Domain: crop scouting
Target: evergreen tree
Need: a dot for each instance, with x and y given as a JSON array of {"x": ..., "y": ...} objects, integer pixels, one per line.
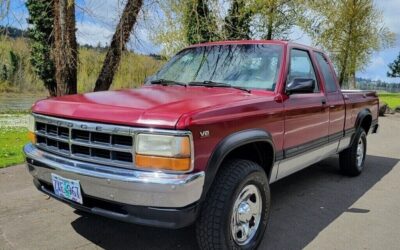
[
  {"x": 237, "y": 22},
  {"x": 199, "y": 22},
  {"x": 40, "y": 33},
  {"x": 394, "y": 68}
]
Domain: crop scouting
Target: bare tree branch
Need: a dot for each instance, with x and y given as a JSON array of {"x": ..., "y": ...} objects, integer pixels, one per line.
[{"x": 118, "y": 43}]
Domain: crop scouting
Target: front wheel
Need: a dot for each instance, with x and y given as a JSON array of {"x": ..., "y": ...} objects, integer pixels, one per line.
[
  {"x": 352, "y": 159},
  {"x": 236, "y": 210}
]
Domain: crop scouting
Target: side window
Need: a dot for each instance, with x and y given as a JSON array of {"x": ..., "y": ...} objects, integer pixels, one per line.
[
  {"x": 301, "y": 67},
  {"x": 329, "y": 79}
]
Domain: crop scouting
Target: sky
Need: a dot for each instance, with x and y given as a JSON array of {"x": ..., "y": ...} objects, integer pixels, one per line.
[{"x": 96, "y": 20}]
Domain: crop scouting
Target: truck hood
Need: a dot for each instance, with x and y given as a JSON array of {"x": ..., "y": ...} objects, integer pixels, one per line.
[{"x": 148, "y": 106}]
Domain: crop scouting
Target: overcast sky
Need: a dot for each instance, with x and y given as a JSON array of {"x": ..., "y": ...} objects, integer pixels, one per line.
[{"x": 96, "y": 20}]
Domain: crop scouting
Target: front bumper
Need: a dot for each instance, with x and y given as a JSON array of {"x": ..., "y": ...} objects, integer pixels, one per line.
[{"x": 131, "y": 190}]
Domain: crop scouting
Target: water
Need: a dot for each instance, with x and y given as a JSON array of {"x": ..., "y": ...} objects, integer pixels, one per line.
[{"x": 10, "y": 103}]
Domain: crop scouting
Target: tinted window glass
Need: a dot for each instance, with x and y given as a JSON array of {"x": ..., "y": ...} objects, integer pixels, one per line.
[
  {"x": 254, "y": 66},
  {"x": 301, "y": 67},
  {"x": 330, "y": 83}
]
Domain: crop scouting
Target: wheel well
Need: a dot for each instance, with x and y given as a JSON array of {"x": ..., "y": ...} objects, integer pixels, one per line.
[
  {"x": 261, "y": 153},
  {"x": 366, "y": 123}
]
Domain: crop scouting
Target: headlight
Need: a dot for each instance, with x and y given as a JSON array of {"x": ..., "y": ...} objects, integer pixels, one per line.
[
  {"x": 163, "y": 145},
  {"x": 31, "y": 129},
  {"x": 164, "y": 152}
]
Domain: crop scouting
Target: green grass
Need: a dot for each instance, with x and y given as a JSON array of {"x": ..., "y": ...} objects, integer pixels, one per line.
[
  {"x": 392, "y": 99},
  {"x": 11, "y": 143}
]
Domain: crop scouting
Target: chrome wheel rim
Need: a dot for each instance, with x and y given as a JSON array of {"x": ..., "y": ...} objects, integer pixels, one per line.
[
  {"x": 246, "y": 215},
  {"x": 360, "y": 152}
]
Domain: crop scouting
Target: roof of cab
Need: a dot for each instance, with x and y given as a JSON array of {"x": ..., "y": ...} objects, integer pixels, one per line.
[
  {"x": 282, "y": 42},
  {"x": 279, "y": 42}
]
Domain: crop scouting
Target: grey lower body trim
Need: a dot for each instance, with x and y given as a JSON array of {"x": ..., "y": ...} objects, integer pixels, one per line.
[
  {"x": 344, "y": 143},
  {"x": 296, "y": 163},
  {"x": 302, "y": 156},
  {"x": 131, "y": 187}
]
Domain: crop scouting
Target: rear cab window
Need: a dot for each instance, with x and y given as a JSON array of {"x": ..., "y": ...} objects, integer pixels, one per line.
[{"x": 327, "y": 72}]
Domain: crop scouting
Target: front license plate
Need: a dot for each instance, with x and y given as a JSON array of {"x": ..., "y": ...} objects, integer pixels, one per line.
[{"x": 66, "y": 188}]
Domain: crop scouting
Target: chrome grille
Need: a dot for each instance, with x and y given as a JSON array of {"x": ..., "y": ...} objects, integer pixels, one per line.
[{"x": 99, "y": 143}]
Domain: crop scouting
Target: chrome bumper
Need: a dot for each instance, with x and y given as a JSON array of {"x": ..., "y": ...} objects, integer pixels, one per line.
[{"x": 132, "y": 187}]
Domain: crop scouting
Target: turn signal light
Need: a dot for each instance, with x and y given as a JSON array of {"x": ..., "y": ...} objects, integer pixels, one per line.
[{"x": 162, "y": 163}]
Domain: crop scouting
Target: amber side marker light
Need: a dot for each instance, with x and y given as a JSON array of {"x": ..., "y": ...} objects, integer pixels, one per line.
[
  {"x": 32, "y": 137},
  {"x": 31, "y": 129}
]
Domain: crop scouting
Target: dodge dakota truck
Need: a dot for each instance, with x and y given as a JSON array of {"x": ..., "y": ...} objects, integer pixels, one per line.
[{"x": 201, "y": 141}]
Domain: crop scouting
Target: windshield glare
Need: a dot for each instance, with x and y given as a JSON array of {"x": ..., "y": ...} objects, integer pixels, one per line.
[{"x": 252, "y": 66}]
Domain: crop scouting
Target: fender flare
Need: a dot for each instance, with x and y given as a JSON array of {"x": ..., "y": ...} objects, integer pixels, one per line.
[
  {"x": 362, "y": 115},
  {"x": 227, "y": 145}
]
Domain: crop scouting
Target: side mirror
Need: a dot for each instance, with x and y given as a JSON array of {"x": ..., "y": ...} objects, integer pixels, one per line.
[{"x": 300, "y": 86}]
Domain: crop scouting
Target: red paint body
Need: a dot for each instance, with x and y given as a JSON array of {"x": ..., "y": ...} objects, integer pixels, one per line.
[{"x": 291, "y": 120}]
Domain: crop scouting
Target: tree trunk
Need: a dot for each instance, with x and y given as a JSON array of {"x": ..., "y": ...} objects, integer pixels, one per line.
[
  {"x": 352, "y": 80},
  {"x": 270, "y": 23},
  {"x": 118, "y": 42},
  {"x": 342, "y": 74},
  {"x": 344, "y": 68},
  {"x": 65, "y": 51}
]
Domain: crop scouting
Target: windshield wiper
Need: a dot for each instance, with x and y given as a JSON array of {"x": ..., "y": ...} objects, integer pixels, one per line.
[
  {"x": 167, "y": 82},
  {"x": 217, "y": 84}
]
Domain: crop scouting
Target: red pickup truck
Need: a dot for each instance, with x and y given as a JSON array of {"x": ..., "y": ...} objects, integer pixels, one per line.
[{"x": 202, "y": 140}]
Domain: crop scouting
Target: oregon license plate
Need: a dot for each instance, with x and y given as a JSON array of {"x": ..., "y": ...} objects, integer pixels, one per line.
[{"x": 66, "y": 188}]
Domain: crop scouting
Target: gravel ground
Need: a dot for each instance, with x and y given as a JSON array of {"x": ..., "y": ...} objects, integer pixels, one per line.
[
  {"x": 13, "y": 120},
  {"x": 316, "y": 208}
]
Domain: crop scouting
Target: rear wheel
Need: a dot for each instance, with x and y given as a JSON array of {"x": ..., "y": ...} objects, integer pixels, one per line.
[
  {"x": 236, "y": 210},
  {"x": 352, "y": 159}
]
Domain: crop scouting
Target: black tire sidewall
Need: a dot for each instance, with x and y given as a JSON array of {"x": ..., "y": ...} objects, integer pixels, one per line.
[{"x": 258, "y": 179}]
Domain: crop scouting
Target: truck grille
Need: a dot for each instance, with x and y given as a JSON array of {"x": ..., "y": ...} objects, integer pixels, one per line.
[{"x": 99, "y": 143}]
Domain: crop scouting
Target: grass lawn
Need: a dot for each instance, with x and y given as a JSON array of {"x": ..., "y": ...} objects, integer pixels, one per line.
[
  {"x": 392, "y": 99},
  {"x": 11, "y": 143}
]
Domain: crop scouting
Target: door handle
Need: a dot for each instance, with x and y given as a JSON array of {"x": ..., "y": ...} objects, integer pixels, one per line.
[{"x": 323, "y": 101}]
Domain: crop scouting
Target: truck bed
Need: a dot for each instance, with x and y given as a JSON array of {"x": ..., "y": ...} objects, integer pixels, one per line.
[{"x": 357, "y": 100}]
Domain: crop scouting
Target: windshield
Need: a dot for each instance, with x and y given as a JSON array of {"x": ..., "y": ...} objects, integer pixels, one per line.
[{"x": 251, "y": 66}]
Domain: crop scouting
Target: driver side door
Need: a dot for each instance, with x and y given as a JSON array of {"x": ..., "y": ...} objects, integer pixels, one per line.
[{"x": 306, "y": 117}]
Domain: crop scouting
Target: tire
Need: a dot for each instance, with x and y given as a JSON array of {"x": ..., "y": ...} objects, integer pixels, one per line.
[
  {"x": 214, "y": 227},
  {"x": 351, "y": 160}
]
